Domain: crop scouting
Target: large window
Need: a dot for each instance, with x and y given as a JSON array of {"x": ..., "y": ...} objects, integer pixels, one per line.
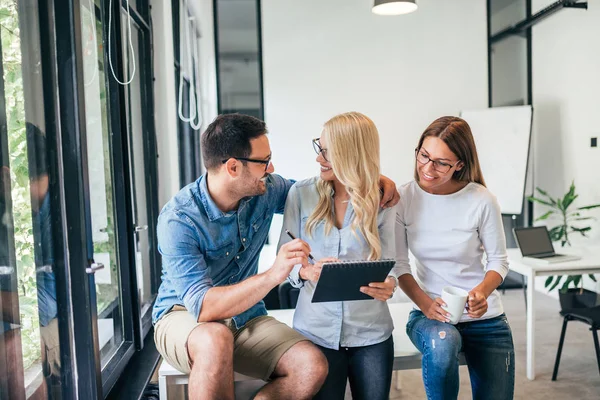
[
  {"x": 29, "y": 347},
  {"x": 78, "y": 201}
]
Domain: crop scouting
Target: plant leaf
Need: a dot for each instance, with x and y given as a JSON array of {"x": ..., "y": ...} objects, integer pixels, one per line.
[
  {"x": 589, "y": 207},
  {"x": 557, "y": 233},
  {"x": 565, "y": 285},
  {"x": 592, "y": 277},
  {"x": 576, "y": 280},
  {"x": 531, "y": 198},
  {"x": 581, "y": 230},
  {"x": 584, "y": 218},
  {"x": 548, "y": 281},
  {"x": 568, "y": 200},
  {"x": 542, "y": 192},
  {"x": 558, "y": 279},
  {"x": 545, "y": 216}
]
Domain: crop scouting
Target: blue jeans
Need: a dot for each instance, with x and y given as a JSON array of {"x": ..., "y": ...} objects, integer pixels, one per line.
[
  {"x": 488, "y": 348},
  {"x": 369, "y": 369}
]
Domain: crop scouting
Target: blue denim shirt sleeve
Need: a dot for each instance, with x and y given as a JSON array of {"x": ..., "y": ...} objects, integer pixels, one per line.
[
  {"x": 293, "y": 223},
  {"x": 183, "y": 262},
  {"x": 283, "y": 187}
]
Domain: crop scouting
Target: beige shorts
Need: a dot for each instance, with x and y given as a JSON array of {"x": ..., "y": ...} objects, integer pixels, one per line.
[{"x": 258, "y": 345}]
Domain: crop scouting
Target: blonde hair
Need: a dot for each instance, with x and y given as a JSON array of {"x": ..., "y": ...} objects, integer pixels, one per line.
[{"x": 353, "y": 151}]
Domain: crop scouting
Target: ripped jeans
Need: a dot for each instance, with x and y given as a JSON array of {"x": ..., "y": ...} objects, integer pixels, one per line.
[{"x": 488, "y": 348}]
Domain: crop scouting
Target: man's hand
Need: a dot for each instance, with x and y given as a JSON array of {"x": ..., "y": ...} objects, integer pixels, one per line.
[
  {"x": 381, "y": 291},
  {"x": 390, "y": 196},
  {"x": 476, "y": 304},
  {"x": 312, "y": 272},
  {"x": 290, "y": 254}
]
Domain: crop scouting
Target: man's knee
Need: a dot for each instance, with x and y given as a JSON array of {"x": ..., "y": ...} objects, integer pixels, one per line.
[
  {"x": 211, "y": 338},
  {"x": 308, "y": 365}
]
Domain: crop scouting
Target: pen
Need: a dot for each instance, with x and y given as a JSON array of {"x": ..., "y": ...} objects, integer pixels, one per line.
[{"x": 293, "y": 237}]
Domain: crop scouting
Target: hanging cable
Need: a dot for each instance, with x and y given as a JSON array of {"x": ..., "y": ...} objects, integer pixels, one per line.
[
  {"x": 195, "y": 86},
  {"x": 94, "y": 44},
  {"x": 110, "y": 12},
  {"x": 186, "y": 35}
]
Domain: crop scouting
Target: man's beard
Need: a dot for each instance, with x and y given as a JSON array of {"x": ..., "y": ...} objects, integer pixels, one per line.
[{"x": 252, "y": 186}]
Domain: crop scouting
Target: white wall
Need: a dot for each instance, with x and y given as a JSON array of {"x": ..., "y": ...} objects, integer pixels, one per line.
[
  {"x": 326, "y": 57},
  {"x": 566, "y": 101},
  {"x": 165, "y": 111}
]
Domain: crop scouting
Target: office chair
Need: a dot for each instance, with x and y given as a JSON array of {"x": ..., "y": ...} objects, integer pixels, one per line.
[
  {"x": 288, "y": 295},
  {"x": 590, "y": 316}
]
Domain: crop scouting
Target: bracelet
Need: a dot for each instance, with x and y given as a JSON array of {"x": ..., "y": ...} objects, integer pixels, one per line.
[{"x": 396, "y": 285}]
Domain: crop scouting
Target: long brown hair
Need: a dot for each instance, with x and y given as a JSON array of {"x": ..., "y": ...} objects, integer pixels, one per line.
[{"x": 456, "y": 133}]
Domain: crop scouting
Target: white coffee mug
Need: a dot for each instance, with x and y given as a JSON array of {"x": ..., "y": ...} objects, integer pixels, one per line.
[{"x": 455, "y": 299}]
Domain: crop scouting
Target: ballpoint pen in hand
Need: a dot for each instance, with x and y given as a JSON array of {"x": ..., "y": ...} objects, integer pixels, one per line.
[{"x": 293, "y": 237}]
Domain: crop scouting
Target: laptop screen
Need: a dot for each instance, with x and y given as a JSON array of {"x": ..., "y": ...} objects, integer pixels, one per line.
[{"x": 534, "y": 241}]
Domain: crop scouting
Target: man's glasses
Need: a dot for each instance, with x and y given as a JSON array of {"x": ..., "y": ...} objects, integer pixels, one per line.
[
  {"x": 439, "y": 166},
  {"x": 319, "y": 149},
  {"x": 266, "y": 162}
]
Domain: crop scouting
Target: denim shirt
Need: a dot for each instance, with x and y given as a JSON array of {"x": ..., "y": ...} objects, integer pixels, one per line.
[
  {"x": 203, "y": 247},
  {"x": 343, "y": 323}
]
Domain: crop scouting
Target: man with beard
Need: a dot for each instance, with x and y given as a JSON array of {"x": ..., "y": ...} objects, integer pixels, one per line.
[{"x": 209, "y": 315}]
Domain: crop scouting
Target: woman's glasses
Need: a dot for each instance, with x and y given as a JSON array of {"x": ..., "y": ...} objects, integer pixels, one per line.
[
  {"x": 439, "y": 166},
  {"x": 318, "y": 149}
]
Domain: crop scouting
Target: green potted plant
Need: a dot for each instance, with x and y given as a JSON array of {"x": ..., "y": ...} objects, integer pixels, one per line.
[{"x": 562, "y": 208}]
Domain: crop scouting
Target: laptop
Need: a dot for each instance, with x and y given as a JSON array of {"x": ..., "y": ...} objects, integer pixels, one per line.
[{"x": 535, "y": 244}]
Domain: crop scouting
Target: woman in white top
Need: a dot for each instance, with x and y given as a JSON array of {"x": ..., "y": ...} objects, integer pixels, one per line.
[
  {"x": 339, "y": 216},
  {"x": 448, "y": 219}
]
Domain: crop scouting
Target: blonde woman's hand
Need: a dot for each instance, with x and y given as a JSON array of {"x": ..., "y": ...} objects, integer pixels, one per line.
[
  {"x": 312, "y": 272},
  {"x": 381, "y": 291}
]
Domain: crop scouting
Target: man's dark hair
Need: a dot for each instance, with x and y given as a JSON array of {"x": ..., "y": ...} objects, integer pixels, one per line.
[{"x": 229, "y": 136}]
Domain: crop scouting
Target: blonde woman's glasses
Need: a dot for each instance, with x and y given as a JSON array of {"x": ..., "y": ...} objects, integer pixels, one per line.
[{"x": 318, "y": 149}]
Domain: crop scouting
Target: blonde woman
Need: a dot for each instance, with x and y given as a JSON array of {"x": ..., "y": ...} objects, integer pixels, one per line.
[{"x": 338, "y": 214}]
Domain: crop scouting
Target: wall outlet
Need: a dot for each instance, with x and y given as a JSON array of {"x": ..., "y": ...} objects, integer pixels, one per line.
[{"x": 594, "y": 142}]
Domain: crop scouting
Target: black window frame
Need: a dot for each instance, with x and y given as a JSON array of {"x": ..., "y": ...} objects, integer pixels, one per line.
[{"x": 188, "y": 139}]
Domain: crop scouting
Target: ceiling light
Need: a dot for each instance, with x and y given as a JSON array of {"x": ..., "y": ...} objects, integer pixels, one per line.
[{"x": 394, "y": 7}]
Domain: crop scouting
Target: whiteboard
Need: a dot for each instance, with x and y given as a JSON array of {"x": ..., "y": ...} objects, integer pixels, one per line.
[{"x": 502, "y": 136}]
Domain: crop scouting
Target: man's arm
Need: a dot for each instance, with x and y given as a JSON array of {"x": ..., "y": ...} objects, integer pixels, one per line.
[
  {"x": 281, "y": 187},
  {"x": 226, "y": 301},
  {"x": 389, "y": 195}
]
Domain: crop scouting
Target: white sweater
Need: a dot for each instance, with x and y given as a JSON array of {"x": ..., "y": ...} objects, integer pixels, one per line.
[{"x": 448, "y": 236}]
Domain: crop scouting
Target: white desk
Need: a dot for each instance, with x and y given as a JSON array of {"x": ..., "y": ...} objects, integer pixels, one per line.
[{"x": 589, "y": 264}]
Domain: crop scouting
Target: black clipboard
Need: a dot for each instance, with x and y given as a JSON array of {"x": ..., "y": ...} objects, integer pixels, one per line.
[{"x": 342, "y": 281}]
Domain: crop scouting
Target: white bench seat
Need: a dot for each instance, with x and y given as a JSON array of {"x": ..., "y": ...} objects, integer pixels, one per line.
[{"x": 406, "y": 355}]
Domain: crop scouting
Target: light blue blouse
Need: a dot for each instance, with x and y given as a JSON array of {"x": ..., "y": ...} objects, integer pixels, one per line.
[{"x": 345, "y": 323}]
